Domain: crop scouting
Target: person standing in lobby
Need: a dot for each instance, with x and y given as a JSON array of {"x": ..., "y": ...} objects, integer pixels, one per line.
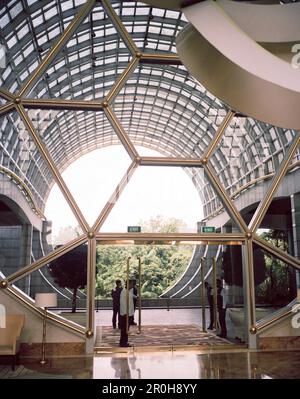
[
  {"x": 126, "y": 293},
  {"x": 221, "y": 304},
  {"x": 115, "y": 293}
]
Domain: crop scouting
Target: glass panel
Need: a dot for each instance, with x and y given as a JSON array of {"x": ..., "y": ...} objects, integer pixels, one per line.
[
  {"x": 70, "y": 135},
  {"x": 231, "y": 274},
  {"x": 65, "y": 276},
  {"x": 152, "y": 29},
  {"x": 93, "y": 179},
  {"x": 159, "y": 199},
  {"x": 215, "y": 213},
  {"x": 164, "y": 109},
  {"x": 162, "y": 266},
  {"x": 279, "y": 226},
  {"x": 275, "y": 280},
  {"x": 70, "y": 273},
  {"x": 89, "y": 64},
  {"x": 249, "y": 153},
  {"x": 25, "y": 181}
]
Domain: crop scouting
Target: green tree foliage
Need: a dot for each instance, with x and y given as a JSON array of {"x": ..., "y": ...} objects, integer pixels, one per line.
[
  {"x": 276, "y": 287},
  {"x": 161, "y": 265}
]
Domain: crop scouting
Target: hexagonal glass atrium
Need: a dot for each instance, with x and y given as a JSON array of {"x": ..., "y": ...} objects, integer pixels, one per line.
[{"x": 82, "y": 75}]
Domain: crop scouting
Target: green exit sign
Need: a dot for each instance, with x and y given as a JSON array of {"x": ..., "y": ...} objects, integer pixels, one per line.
[
  {"x": 134, "y": 229},
  {"x": 207, "y": 229}
]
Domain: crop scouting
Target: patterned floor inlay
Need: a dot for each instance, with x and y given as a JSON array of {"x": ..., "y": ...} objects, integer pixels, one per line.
[{"x": 159, "y": 335}]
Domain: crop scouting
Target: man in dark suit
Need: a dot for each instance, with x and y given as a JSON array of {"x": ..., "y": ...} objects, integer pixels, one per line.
[
  {"x": 211, "y": 304},
  {"x": 115, "y": 293}
]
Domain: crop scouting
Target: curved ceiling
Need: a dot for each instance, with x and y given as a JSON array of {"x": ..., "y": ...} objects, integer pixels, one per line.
[{"x": 160, "y": 106}]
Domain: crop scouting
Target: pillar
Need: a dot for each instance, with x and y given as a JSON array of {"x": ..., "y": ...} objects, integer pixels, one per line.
[
  {"x": 295, "y": 210},
  {"x": 25, "y": 255}
]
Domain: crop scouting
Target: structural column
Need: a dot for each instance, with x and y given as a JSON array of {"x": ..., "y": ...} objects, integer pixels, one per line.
[
  {"x": 25, "y": 254},
  {"x": 295, "y": 208},
  {"x": 235, "y": 294},
  {"x": 249, "y": 295}
]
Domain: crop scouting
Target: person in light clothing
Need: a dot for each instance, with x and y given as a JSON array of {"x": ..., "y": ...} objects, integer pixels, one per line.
[
  {"x": 221, "y": 304},
  {"x": 123, "y": 313},
  {"x": 115, "y": 293}
]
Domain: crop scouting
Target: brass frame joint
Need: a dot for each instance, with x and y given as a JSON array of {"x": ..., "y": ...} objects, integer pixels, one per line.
[
  {"x": 204, "y": 161},
  {"x": 248, "y": 235},
  {"x": 90, "y": 235},
  {"x": 138, "y": 55},
  {"x": 17, "y": 100},
  {"x": 3, "y": 284},
  {"x": 104, "y": 104},
  {"x": 89, "y": 333},
  {"x": 253, "y": 330}
]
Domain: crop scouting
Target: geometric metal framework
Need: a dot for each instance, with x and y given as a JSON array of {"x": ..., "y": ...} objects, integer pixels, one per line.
[{"x": 112, "y": 68}]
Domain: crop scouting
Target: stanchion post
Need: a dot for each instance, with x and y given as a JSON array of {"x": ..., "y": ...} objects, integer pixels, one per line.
[
  {"x": 127, "y": 295},
  {"x": 203, "y": 304},
  {"x": 140, "y": 296},
  {"x": 214, "y": 266}
]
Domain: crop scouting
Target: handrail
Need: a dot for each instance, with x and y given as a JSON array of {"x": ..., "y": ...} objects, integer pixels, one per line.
[
  {"x": 247, "y": 185},
  {"x": 28, "y": 194},
  {"x": 271, "y": 319},
  {"x": 20, "y": 297}
]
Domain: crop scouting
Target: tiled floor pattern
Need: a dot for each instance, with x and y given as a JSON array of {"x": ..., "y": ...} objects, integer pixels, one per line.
[{"x": 160, "y": 335}]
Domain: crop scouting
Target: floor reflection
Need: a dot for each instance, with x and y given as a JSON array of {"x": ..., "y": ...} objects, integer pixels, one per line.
[
  {"x": 214, "y": 364},
  {"x": 183, "y": 365}
]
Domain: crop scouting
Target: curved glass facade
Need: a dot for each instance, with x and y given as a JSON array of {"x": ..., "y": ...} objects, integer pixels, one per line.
[{"x": 81, "y": 75}]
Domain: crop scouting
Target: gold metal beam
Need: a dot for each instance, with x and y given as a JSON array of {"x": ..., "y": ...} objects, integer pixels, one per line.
[
  {"x": 122, "y": 135},
  {"x": 225, "y": 199},
  {"x": 6, "y": 109},
  {"x": 217, "y": 137},
  {"x": 24, "y": 187},
  {"x": 278, "y": 253},
  {"x": 62, "y": 104},
  {"x": 46, "y": 259},
  {"x": 114, "y": 197},
  {"x": 58, "y": 46},
  {"x": 155, "y": 58},
  {"x": 164, "y": 161},
  {"x": 120, "y": 27},
  {"x": 6, "y": 95},
  {"x": 91, "y": 277},
  {"x": 279, "y": 175},
  {"x": 122, "y": 79},
  {"x": 202, "y": 292},
  {"x": 56, "y": 175},
  {"x": 140, "y": 295}
]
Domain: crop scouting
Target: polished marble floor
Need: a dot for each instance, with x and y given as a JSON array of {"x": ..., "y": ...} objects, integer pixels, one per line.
[
  {"x": 197, "y": 365},
  {"x": 213, "y": 364},
  {"x": 158, "y": 316}
]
